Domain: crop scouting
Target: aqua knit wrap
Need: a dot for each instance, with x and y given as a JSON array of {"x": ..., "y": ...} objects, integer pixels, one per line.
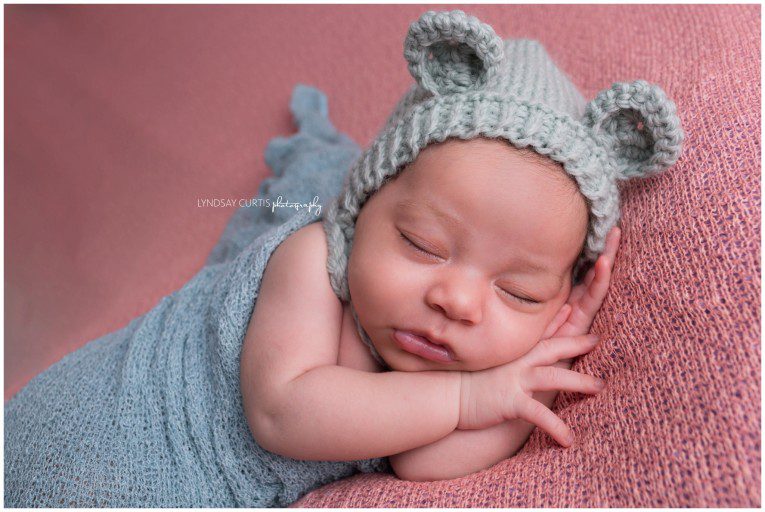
[{"x": 470, "y": 83}]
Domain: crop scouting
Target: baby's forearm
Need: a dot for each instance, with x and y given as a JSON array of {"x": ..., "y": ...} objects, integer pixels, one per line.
[
  {"x": 463, "y": 452},
  {"x": 338, "y": 413}
]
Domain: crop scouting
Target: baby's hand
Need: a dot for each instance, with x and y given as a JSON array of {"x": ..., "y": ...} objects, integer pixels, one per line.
[
  {"x": 489, "y": 397},
  {"x": 585, "y": 299}
]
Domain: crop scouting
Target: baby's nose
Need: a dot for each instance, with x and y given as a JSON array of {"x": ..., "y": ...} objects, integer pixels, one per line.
[{"x": 460, "y": 301}]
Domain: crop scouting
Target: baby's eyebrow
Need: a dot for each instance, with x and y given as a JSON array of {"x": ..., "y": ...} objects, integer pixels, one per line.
[
  {"x": 446, "y": 217},
  {"x": 534, "y": 267},
  {"x": 530, "y": 267}
]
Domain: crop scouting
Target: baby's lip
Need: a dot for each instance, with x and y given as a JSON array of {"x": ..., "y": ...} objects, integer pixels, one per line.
[{"x": 432, "y": 339}]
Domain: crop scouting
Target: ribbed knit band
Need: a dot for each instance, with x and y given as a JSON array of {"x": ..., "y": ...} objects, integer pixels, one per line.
[{"x": 472, "y": 84}]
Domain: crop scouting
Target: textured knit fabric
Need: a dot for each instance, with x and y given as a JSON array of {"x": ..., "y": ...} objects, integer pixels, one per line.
[
  {"x": 679, "y": 422},
  {"x": 470, "y": 83},
  {"x": 151, "y": 415}
]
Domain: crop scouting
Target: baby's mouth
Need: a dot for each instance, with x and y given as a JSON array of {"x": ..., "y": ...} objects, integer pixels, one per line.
[{"x": 422, "y": 346}]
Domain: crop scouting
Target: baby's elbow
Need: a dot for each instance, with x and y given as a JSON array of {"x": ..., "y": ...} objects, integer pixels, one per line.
[
  {"x": 403, "y": 469},
  {"x": 408, "y": 467},
  {"x": 264, "y": 425},
  {"x": 260, "y": 414},
  {"x": 264, "y": 430}
]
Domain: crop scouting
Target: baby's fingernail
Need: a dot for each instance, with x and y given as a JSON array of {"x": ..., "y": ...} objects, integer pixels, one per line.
[
  {"x": 600, "y": 383},
  {"x": 569, "y": 439}
]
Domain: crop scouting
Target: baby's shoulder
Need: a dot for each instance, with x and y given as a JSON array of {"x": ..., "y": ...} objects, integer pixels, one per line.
[
  {"x": 310, "y": 237},
  {"x": 300, "y": 262},
  {"x": 306, "y": 246},
  {"x": 305, "y": 250}
]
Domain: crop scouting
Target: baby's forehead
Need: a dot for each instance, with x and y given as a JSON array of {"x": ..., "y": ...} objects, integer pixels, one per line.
[
  {"x": 486, "y": 182},
  {"x": 477, "y": 155},
  {"x": 481, "y": 181}
]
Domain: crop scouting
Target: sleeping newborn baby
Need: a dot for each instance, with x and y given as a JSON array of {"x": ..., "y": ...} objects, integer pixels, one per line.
[
  {"x": 434, "y": 313},
  {"x": 458, "y": 266},
  {"x": 425, "y": 324}
]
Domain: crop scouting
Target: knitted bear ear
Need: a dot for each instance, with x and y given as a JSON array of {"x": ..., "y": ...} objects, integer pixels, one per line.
[
  {"x": 451, "y": 52},
  {"x": 639, "y": 125}
]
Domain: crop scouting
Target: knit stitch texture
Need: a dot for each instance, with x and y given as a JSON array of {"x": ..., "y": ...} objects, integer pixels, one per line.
[{"x": 151, "y": 415}]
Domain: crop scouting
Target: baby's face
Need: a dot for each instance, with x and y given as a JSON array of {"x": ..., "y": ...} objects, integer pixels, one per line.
[{"x": 473, "y": 246}]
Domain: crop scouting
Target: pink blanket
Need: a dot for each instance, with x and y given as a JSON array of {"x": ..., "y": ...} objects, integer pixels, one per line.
[{"x": 118, "y": 119}]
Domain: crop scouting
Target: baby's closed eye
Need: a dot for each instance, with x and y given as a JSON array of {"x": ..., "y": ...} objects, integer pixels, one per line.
[
  {"x": 520, "y": 298},
  {"x": 418, "y": 247},
  {"x": 428, "y": 251}
]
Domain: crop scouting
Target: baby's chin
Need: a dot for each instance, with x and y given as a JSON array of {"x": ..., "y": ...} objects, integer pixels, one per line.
[
  {"x": 402, "y": 365},
  {"x": 402, "y": 361}
]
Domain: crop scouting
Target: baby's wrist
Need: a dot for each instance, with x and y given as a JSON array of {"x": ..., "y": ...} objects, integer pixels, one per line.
[
  {"x": 463, "y": 385},
  {"x": 465, "y": 389}
]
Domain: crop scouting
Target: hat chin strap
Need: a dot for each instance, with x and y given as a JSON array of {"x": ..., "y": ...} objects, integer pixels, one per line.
[{"x": 366, "y": 340}]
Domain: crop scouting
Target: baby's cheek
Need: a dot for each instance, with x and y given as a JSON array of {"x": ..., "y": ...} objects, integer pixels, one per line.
[
  {"x": 378, "y": 281},
  {"x": 514, "y": 335},
  {"x": 392, "y": 282}
]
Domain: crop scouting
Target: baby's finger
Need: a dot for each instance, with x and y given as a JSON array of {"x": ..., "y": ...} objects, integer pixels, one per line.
[
  {"x": 558, "y": 321},
  {"x": 589, "y": 277},
  {"x": 612, "y": 242},
  {"x": 534, "y": 412},
  {"x": 593, "y": 298},
  {"x": 587, "y": 297},
  {"x": 551, "y": 350},
  {"x": 611, "y": 247},
  {"x": 609, "y": 254},
  {"x": 551, "y": 378},
  {"x": 578, "y": 290}
]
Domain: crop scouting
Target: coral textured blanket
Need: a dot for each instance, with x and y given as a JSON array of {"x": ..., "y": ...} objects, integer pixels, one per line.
[{"x": 140, "y": 110}]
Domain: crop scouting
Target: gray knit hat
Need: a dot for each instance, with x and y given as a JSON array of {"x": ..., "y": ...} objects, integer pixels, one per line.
[{"x": 469, "y": 84}]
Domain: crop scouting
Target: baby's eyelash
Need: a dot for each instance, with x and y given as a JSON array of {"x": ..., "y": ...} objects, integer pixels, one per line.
[
  {"x": 415, "y": 246},
  {"x": 521, "y": 299}
]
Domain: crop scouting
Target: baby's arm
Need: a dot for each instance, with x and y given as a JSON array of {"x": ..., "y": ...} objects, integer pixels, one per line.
[
  {"x": 297, "y": 400},
  {"x": 466, "y": 451}
]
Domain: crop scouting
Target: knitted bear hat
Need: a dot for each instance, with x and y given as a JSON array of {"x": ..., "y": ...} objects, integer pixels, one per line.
[{"x": 471, "y": 84}]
